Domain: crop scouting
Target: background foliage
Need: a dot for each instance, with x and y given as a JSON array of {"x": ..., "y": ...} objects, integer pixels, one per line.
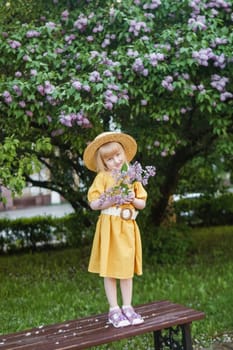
[{"x": 159, "y": 70}]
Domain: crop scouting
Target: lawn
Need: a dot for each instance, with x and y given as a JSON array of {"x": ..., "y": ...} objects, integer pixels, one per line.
[{"x": 54, "y": 285}]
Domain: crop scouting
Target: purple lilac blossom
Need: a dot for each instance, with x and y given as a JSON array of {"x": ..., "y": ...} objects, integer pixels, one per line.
[
  {"x": 225, "y": 95},
  {"x": 154, "y": 58},
  {"x": 14, "y": 44},
  {"x": 198, "y": 22},
  {"x": 144, "y": 102},
  {"x": 138, "y": 67},
  {"x": 7, "y": 97},
  {"x": 74, "y": 118},
  {"x": 33, "y": 34},
  {"x": 153, "y": 5},
  {"x": 29, "y": 113},
  {"x": 18, "y": 74},
  {"x": 219, "y": 82},
  {"x": 120, "y": 192},
  {"x": 22, "y": 104},
  {"x": 167, "y": 83},
  {"x": 81, "y": 23},
  {"x": 65, "y": 15},
  {"x": 95, "y": 77},
  {"x": 50, "y": 25},
  {"x": 77, "y": 85},
  {"x": 98, "y": 28},
  {"x": 135, "y": 27},
  {"x": 17, "y": 90}
]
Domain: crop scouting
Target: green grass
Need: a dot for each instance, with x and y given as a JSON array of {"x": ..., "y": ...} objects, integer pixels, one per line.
[{"x": 54, "y": 286}]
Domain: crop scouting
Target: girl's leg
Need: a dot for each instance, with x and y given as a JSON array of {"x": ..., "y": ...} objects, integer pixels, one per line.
[
  {"x": 128, "y": 310},
  {"x": 115, "y": 315},
  {"x": 111, "y": 291},
  {"x": 126, "y": 290}
]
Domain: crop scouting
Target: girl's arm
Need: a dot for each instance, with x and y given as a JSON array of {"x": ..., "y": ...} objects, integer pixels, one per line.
[
  {"x": 99, "y": 205},
  {"x": 139, "y": 203}
]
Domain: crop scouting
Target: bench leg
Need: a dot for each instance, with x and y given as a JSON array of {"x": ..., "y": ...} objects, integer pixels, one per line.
[{"x": 178, "y": 338}]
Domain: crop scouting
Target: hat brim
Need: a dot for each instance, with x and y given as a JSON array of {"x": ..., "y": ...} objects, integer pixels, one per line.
[{"x": 127, "y": 142}]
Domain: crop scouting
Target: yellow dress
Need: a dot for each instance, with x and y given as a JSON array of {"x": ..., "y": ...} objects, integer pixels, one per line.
[{"x": 116, "y": 250}]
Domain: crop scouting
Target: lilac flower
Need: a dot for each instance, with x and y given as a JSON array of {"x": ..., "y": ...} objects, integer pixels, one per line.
[
  {"x": 57, "y": 132},
  {"x": 110, "y": 97},
  {"x": 70, "y": 38},
  {"x": 218, "y": 82},
  {"x": 22, "y": 104},
  {"x": 220, "y": 61},
  {"x": 135, "y": 27},
  {"x": 156, "y": 143},
  {"x": 81, "y": 23},
  {"x": 86, "y": 88},
  {"x": 165, "y": 117},
  {"x": 77, "y": 85},
  {"x": 183, "y": 110},
  {"x": 50, "y": 25},
  {"x": 144, "y": 102},
  {"x": 167, "y": 83},
  {"x": 95, "y": 77},
  {"x": 198, "y": 23},
  {"x": 107, "y": 73},
  {"x": 4, "y": 34},
  {"x": 71, "y": 119},
  {"x": 26, "y": 58},
  {"x": 219, "y": 41},
  {"x": 65, "y": 15},
  {"x": 18, "y": 74},
  {"x": 113, "y": 87},
  {"x": 90, "y": 38},
  {"x": 29, "y": 113},
  {"x": 14, "y": 44},
  {"x": 225, "y": 95},
  {"x": 164, "y": 153},
  {"x": 105, "y": 43},
  {"x": 154, "y": 58},
  {"x": 48, "y": 87},
  {"x": 33, "y": 72},
  {"x": 98, "y": 28},
  {"x": 17, "y": 89},
  {"x": 132, "y": 53},
  {"x": 108, "y": 105},
  {"x": 40, "y": 89},
  {"x": 123, "y": 95},
  {"x": 138, "y": 65},
  {"x": 94, "y": 54},
  {"x": 33, "y": 34},
  {"x": 7, "y": 97},
  {"x": 153, "y": 5},
  {"x": 59, "y": 50},
  {"x": 124, "y": 179}
]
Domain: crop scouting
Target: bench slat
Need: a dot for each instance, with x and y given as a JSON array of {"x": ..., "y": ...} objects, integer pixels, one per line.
[{"x": 92, "y": 331}]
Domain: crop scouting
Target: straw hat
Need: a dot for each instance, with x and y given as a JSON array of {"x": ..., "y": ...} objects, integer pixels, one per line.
[{"x": 128, "y": 143}]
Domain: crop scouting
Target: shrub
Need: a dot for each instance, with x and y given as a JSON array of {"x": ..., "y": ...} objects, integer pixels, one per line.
[
  {"x": 206, "y": 211},
  {"x": 72, "y": 230},
  {"x": 167, "y": 245},
  {"x": 26, "y": 232}
]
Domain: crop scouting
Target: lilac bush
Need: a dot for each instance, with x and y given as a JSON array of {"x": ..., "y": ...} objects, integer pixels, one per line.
[{"x": 161, "y": 70}]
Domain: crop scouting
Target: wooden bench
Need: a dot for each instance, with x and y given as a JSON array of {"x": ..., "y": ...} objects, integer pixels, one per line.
[{"x": 169, "y": 322}]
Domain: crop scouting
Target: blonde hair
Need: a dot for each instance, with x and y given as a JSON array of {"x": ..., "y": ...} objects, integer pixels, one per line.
[{"x": 105, "y": 151}]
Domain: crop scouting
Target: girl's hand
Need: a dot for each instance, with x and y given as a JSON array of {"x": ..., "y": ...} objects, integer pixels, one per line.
[{"x": 130, "y": 197}]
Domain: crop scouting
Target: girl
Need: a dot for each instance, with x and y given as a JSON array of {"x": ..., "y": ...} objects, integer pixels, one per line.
[{"x": 116, "y": 252}]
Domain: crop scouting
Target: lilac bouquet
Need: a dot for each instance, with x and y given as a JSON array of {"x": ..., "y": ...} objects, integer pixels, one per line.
[{"x": 124, "y": 179}]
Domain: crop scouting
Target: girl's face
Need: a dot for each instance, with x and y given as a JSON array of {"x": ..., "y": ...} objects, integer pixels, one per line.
[{"x": 115, "y": 159}]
